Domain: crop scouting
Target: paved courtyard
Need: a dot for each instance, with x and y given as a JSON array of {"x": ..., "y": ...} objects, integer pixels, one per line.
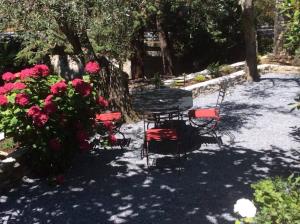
[{"x": 114, "y": 186}]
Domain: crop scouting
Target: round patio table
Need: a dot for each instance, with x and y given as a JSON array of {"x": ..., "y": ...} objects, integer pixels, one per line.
[{"x": 162, "y": 100}]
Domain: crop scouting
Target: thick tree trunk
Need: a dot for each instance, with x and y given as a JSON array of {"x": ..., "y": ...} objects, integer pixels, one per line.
[
  {"x": 114, "y": 83},
  {"x": 137, "y": 57},
  {"x": 119, "y": 94},
  {"x": 71, "y": 36},
  {"x": 165, "y": 47},
  {"x": 278, "y": 30},
  {"x": 250, "y": 40}
]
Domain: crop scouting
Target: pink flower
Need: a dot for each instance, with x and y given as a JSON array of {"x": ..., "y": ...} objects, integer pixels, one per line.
[
  {"x": 22, "y": 99},
  {"x": 92, "y": 67},
  {"x": 3, "y": 100},
  {"x": 19, "y": 85},
  {"x": 42, "y": 70},
  {"x": 108, "y": 125},
  {"x": 40, "y": 119},
  {"x": 85, "y": 146},
  {"x": 49, "y": 98},
  {"x": 81, "y": 136},
  {"x": 55, "y": 144},
  {"x": 102, "y": 101},
  {"x": 8, "y": 76},
  {"x": 33, "y": 111},
  {"x": 82, "y": 87},
  {"x": 17, "y": 75},
  {"x": 50, "y": 108},
  {"x": 28, "y": 73},
  {"x": 59, "y": 87},
  {"x": 9, "y": 86},
  {"x": 2, "y": 90},
  {"x": 60, "y": 179},
  {"x": 112, "y": 139}
]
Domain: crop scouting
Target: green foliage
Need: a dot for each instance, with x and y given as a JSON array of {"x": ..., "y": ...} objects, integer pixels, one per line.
[
  {"x": 291, "y": 11},
  {"x": 78, "y": 27},
  {"x": 7, "y": 144},
  {"x": 226, "y": 69},
  {"x": 157, "y": 82},
  {"x": 50, "y": 117},
  {"x": 214, "y": 69},
  {"x": 244, "y": 221},
  {"x": 8, "y": 50},
  {"x": 278, "y": 201},
  {"x": 265, "y": 11},
  {"x": 296, "y": 105},
  {"x": 200, "y": 78}
]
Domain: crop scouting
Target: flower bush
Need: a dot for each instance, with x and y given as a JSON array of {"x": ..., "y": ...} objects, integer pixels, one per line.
[
  {"x": 50, "y": 116},
  {"x": 246, "y": 209},
  {"x": 278, "y": 200}
]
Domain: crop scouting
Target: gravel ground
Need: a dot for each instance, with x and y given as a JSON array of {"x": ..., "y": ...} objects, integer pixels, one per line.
[{"x": 113, "y": 186}]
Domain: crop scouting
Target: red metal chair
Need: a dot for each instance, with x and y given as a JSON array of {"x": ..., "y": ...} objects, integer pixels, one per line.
[
  {"x": 207, "y": 120},
  {"x": 163, "y": 130}
]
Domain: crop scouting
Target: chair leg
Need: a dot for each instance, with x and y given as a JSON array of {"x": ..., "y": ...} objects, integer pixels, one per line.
[
  {"x": 219, "y": 142},
  {"x": 178, "y": 151},
  {"x": 143, "y": 150},
  {"x": 147, "y": 153}
]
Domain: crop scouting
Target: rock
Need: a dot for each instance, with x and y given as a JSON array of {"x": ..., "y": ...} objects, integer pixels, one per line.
[
  {"x": 9, "y": 160},
  {"x": 2, "y": 136}
]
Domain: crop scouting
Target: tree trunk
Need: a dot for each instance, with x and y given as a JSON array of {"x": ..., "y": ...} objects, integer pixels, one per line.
[
  {"x": 250, "y": 40},
  {"x": 278, "y": 30},
  {"x": 114, "y": 84},
  {"x": 165, "y": 47},
  {"x": 71, "y": 36},
  {"x": 137, "y": 57},
  {"x": 119, "y": 94}
]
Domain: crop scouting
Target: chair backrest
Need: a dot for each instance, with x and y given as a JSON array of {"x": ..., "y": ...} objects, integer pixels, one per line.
[
  {"x": 158, "y": 118},
  {"x": 221, "y": 95}
]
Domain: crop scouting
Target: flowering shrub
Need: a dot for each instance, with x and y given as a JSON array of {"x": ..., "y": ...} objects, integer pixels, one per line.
[
  {"x": 278, "y": 200},
  {"x": 50, "y": 116},
  {"x": 246, "y": 209}
]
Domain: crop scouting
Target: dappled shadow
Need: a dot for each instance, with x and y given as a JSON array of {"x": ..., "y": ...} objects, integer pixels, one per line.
[
  {"x": 237, "y": 115},
  {"x": 265, "y": 89},
  {"x": 114, "y": 186},
  {"x": 282, "y": 81},
  {"x": 295, "y": 133},
  {"x": 103, "y": 189}
]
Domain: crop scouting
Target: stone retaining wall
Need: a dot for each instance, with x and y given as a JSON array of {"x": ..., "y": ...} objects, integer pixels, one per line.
[{"x": 236, "y": 77}]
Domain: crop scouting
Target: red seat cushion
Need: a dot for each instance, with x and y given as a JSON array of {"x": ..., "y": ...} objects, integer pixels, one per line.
[
  {"x": 157, "y": 134},
  {"x": 210, "y": 113},
  {"x": 110, "y": 116}
]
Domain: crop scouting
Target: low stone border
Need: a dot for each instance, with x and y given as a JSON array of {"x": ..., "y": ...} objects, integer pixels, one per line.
[
  {"x": 235, "y": 78},
  {"x": 168, "y": 82}
]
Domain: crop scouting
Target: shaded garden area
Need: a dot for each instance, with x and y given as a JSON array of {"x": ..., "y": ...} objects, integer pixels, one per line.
[
  {"x": 88, "y": 89},
  {"x": 113, "y": 186}
]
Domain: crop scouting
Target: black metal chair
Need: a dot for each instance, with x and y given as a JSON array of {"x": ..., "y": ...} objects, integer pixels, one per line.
[
  {"x": 164, "y": 129},
  {"x": 207, "y": 120}
]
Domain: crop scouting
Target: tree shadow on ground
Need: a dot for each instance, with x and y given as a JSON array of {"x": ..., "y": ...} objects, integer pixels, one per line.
[
  {"x": 114, "y": 186},
  {"x": 237, "y": 115},
  {"x": 295, "y": 133},
  {"x": 103, "y": 188}
]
